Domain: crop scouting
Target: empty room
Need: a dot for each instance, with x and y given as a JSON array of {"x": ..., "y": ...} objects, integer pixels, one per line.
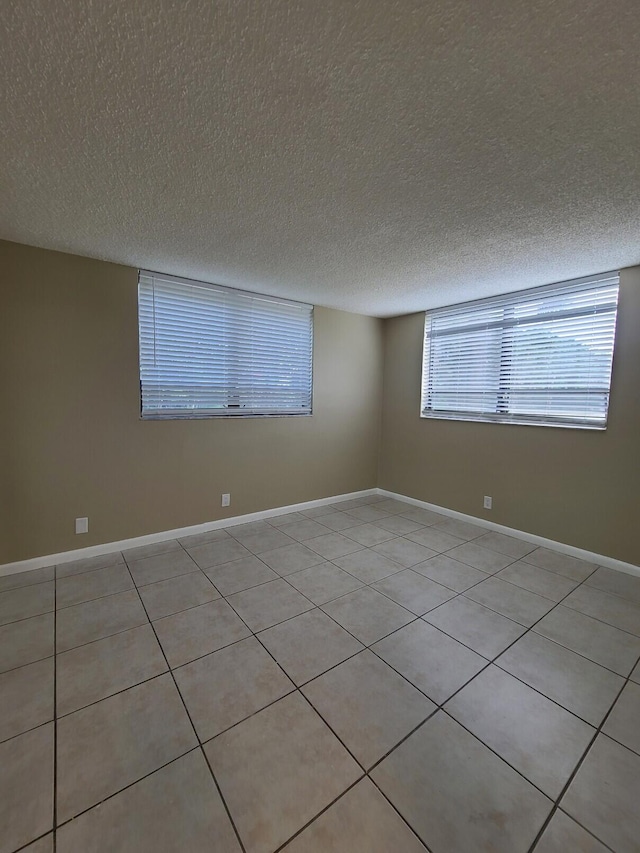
[{"x": 320, "y": 431}]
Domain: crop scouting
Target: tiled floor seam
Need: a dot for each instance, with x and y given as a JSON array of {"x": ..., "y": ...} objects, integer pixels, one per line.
[
  {"x": 365, "y": 772},
  {"x": 598, "y": 731},
  {"x": 126, "y": 787},
  {"x": 186, "y": 709}
]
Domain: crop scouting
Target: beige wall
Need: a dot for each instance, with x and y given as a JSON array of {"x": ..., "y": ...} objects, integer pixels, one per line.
[
  {"x": 72, "y": 442},
  {"x": 579, "y": 487}
]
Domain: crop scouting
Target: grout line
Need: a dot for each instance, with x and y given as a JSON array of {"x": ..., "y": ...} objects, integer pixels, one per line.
[
  {"x": 598, "y": 732},
  {"x": 224, "y": 803},
  {"x": 126, "y": 787},
  {"x": 297, "y": 688}
]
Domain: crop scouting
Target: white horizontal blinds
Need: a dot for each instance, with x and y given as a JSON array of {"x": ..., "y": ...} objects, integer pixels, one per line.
[
  {"x": 537, "y": 356},
  {"x": 207, "y": 350}
]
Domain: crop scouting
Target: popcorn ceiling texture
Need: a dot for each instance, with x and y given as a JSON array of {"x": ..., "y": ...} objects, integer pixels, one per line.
[{"x": 377, "y": 156}]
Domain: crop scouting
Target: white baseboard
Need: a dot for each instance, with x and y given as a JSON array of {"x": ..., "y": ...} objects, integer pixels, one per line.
[
  {"x": 178, "y": 533},
  {"x": 580, "y": 553},
  {"x": 124, "y": 544}
]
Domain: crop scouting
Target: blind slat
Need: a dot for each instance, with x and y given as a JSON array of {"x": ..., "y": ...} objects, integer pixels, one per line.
[
  {"x": 540, "y": 356},
  {"x": 209, "y": 351}
]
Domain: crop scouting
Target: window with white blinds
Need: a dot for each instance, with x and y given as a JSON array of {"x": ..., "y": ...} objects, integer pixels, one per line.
[
  {"x": 210, "y": 351},
  {"x": 540, "y": 356}
]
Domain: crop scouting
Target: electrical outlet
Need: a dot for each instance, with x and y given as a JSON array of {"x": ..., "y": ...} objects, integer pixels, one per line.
[
  {"x": 488, "y": 501},
  {"x": 226, "y": 500},
  {"x": 82, "y": 525}
]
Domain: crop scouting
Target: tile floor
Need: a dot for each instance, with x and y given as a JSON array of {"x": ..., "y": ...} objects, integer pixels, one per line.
[{"x": 365, "y": 677}]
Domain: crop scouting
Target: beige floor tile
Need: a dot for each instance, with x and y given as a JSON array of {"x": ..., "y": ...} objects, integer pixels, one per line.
[
  {"x": 458, "y": 795},
  {"x": 548, "y": 584},
  {"x": 240, "y": 574},
  {"x": 608, "y": 608},
  {"x": 361, "y": 821},
  {"x": 369, "y": 534},
  {"x": 199, "y": 631},
  {"x": 460, "y": 529},
  {"x": 426, "y": 517},
  {"x": 450, "y": 573},
  {"x": 635, "y": 675},
  {"x": 21, "y": 579},
  {"x": 564, "y": 835},
  {"x": 268, "y": 540},
  {"x": 291, "y": 558},
  {"x": 603, "y": 796},
  {"x": 88, "y": 564},
  {"x": 368, "y": 614},
  {"x": 174, "y": 594},
  {"x": 503, "y": 544},
  {"x": 223, "y": 688},
  {"x": 598, "y": 641},
  {"x": 337, "y": 521},
  {"x": 42, "y": 845},
  {"x": 537, "y": 737},
  {"x": 399, "y": 525},
  {"x": 578, "y": 684},
  {"x": 483, "y": 630},
  {"x": 309, "y": 644},
  {"x": 90, "y": 585},
  {"x": 27, "y": 601},
  {"x": 323, "y": 582},
  {"x": 248, "y": 529},
  {"x": 477, "y": 557},
  {"x": 109, "y": 745},
  {"x": 277, "y": 770},
  {"x": 94, "y": 620},
  {"x": 368, "y": 513},
  {"x": 151, "y": 550},
  {"x": 623, "y": 723},
  {"x": 162, "y": 566},
  {"x": 92, "y": 672},
  {"x": 368, "y": 705},
  {"x": 413, "y": 591},
  {"x": 510, "y": 600},
  {"x": 266, "y": 605},
  {"x": 393, "y": 506},
  {"x": 26, "y": 641},
  {"x": 563, "y": 564},
  {"x": 26, "y": 698},
  {"x": 304, "y": 529},
  {"x": 616, "y": 583},
  {"x": 26, "y": 787},
  {"x": 437, "y": 664},
  {"x": 333, "y": 545},
  {"x": 436, "y": 540},
  {"x": 216, "y": 553},
  {"x": 367, "y": 565},
  {"x": 177, "y": 808},
  {"x": 404, "y": 552}
]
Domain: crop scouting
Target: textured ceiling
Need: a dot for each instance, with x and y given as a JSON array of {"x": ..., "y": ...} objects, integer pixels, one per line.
[{"x": 376, "y": 156}]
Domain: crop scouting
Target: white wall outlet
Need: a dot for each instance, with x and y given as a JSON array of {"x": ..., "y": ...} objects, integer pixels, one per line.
[
  {"x": 226, "y": 500},
  {"x": 488, "y": 501},
  {"x": 82, "y": 525}
]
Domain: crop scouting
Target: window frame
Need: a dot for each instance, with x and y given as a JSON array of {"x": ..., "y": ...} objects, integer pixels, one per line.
[
  {"x": 503, "y": 389},
  {"x": 230, "y": 411}
]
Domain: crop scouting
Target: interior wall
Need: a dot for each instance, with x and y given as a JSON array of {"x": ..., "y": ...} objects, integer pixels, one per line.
[
  {"x": 578, "y": 487},
  {"x": 72, "y": 443}
]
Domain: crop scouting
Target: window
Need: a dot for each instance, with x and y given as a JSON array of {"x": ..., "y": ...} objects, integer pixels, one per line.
[
  {"x": 539, "y": 356},
  {"x": 209, "y": 351}
]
